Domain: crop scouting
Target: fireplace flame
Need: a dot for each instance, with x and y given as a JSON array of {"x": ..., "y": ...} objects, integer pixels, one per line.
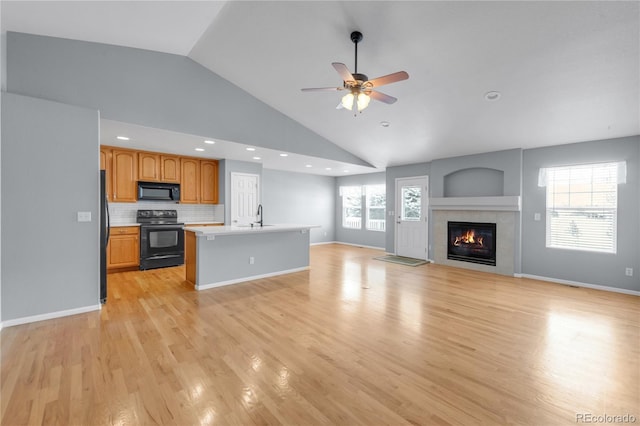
[{"x": 468, "y": 237}]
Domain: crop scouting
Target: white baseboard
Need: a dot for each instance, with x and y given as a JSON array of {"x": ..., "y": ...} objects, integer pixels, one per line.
[
  {"x": 323, "y": 242},
  {"x": 359, "y": 245},
  {"x": 51, "y": 315},
  {"x": 251, "y": 278},
  {"x": 579, "y": 284}
]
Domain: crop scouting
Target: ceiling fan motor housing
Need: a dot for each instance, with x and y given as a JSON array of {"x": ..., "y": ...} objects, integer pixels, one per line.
[{"x": 356, "y": 36}]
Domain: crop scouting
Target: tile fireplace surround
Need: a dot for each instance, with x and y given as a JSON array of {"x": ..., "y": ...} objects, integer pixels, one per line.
[{"x": 503, "y": 211}]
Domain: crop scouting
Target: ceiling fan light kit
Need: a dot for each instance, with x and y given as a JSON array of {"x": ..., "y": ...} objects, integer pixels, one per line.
[{"x": 360, "y": 88}]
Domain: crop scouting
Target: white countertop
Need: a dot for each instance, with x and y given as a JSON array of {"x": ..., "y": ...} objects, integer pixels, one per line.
[
  {"x": 234, "y": 230},
  {"x": 194, "y": 222}
]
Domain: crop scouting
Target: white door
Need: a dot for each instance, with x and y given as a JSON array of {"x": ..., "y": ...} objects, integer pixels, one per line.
[
  {"x": 245, "y": 197},
  {"x": 411, "y": 217}
]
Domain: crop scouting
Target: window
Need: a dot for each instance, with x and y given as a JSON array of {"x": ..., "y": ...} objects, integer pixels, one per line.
[
  {"x": 351, "y": 206},
  {"x": 373, "y": 198},
  {"x": 411, "y": 203},
  {"x": 376, "y": 202},
  {"x": 582, "y": 203}
]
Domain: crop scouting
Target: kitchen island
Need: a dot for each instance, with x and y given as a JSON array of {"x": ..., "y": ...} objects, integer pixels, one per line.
[{"x": 223, "y": 255}]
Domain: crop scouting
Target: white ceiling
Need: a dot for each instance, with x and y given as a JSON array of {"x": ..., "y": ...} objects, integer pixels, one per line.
[{"x": 567, "y": 71}]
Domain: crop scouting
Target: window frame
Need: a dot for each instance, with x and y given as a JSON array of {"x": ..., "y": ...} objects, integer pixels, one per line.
[
  {"x": 368, "y": 207},
  {"x": 554, "y": 237},
  {"x": 343, "y": 190}
]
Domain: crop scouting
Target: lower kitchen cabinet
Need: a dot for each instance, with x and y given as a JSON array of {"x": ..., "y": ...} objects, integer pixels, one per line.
[{"x": 123, "y": 250}]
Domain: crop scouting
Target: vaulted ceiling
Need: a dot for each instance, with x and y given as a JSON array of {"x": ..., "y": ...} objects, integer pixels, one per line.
[{"x": 566, "y": 71}]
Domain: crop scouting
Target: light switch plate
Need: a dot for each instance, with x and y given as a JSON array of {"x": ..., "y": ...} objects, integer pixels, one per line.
[
  {"x": 536, "y": 216},
  {"x": 84, "y": 216}
]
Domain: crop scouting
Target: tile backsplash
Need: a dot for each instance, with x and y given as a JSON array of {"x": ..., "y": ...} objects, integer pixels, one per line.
[{"x": 121, "y": 213}]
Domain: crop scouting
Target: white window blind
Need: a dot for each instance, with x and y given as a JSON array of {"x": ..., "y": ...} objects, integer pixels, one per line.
[{"x": 582, "y": 206}]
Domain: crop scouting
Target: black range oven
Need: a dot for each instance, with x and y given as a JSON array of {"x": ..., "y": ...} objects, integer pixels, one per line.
[{"x": 161, "y": 239}]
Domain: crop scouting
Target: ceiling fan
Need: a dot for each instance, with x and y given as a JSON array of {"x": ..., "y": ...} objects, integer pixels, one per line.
[{"x": 360, "y": 88}]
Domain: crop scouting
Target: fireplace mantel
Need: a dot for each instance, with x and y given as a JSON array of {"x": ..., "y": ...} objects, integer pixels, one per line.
[{"x": 505, "y": 203}]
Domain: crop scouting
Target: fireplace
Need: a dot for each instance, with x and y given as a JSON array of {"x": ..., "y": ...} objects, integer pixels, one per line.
[{"x": 472, "y": 242}]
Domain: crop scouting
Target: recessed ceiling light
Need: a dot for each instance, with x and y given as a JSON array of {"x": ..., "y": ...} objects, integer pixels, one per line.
[
  {"x": 199, "y": 149},
  {"x": 308, "y": 165},
  {"x": 346, "y": 171},
  {"x": 384, "y": 123},
  {"x": 284, "y": 155},
  {"x": 328, "y": 168},
  {"x": 122, "y": 138},
  {"x": 210, "y": 142},
  {"x": 492, "y": 96},
  {"x": 250, "y": 149},
  {"x": 256, "y": 158}
]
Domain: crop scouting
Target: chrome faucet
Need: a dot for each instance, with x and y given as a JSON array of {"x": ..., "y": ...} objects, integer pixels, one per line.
[{"x": 259, "y": 214}]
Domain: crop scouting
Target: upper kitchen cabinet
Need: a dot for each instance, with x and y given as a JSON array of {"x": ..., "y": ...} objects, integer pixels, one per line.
[
  {"x": 198, "y": 178},
  {"x": 154, "y": 167},
  {"x": 148, "y": 166},
  {"x": 190, "y": 180},
  {"x": 170, "y": 168},
  {"x": 125, "y": 175},
  {"x": 208, "y": 182},
  {"x": 105, "y": 164}
]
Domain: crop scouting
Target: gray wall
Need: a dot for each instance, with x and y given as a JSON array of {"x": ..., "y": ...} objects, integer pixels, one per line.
[
  {"x": 485, "y": 183},
  {"x": 157, "y": 90},
  {"x": 226, "y": 258},
  {"x": 358, "y": 236},
  {"x": 585, "y": 267},
  {"x": 49, "y": 172},
  {"x": 300, "y": 198},
  {"x": 509, "y": 161},
  {"x": 392, "y": 173}
]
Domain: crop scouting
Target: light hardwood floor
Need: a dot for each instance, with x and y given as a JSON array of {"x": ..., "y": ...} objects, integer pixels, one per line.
[{"x": 352, "y": 341}]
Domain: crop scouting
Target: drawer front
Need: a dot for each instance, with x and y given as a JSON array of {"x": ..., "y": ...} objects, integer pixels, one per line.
[{"x": 125, "y": 230}]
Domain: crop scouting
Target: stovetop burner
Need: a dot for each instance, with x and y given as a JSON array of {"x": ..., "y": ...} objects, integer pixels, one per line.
[{"x": 157, "y": 217}]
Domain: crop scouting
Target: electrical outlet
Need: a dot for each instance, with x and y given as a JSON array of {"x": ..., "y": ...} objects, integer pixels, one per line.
[
  {"x": 84, "y": 216},
  {"x": 628, "y": 272},
  {"x": 252, "y": 260}
]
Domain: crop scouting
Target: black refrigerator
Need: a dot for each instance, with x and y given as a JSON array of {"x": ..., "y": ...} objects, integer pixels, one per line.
[{"x": 104, "y": 236}]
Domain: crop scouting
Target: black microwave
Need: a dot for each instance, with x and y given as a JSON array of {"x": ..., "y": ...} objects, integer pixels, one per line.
[{"x": 158, "y": 191}]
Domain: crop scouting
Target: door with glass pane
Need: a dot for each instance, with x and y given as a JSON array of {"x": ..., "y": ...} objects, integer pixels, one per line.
[{"x": 411, "y": 217}]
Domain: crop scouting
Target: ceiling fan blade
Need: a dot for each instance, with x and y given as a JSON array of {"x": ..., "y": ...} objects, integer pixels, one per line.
[
  {"x": 379, "y": 96},
  {"x": 388, "y": 79},
  {"x": 322, "y": 89},
  {"x": 343, "y": 71}
]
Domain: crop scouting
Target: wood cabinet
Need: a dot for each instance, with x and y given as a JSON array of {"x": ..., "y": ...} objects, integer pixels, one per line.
[
  {"x": 170, "y": 168},
  {"x": 154, "y": 167},
  {"x": 125, "y": 176},
  {"x": 123, "y": 250},
  {"x": 105, "y": 164},
  {"x": 190, "y": 180},
  {"x": 208, "y": 182},
  {"x": 198, "y": 178},
  {"x": 148, "y": 166}
]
